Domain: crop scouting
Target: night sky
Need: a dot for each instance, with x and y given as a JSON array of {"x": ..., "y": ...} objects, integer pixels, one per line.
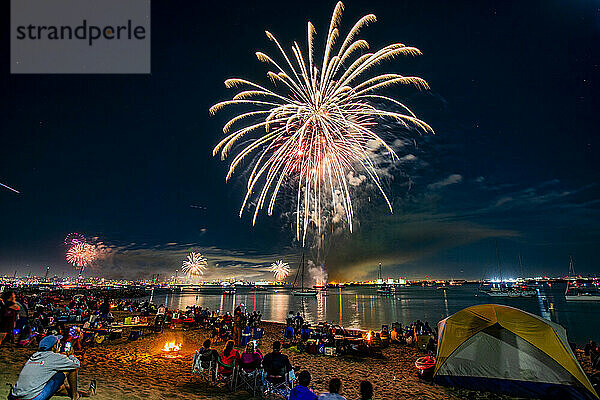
[{"x": 127, "y": 158}]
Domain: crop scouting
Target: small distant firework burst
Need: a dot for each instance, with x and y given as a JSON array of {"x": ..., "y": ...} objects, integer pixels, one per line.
[
  {"x": 280, "y": 270},
  {"x": 194, "y": 265},
  {"x": 318, "y": 124},
  {"x": 74, "y": 238},
  {"x": 81, "y": 255}
]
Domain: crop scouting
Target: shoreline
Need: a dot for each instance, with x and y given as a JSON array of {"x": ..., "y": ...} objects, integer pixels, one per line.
[{"x": 136, "y": 369}]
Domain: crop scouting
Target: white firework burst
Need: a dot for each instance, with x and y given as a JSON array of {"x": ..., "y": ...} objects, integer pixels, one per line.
[
  {"x": 314, "y": 127},
  {"x": 280, "y": 270},
  {"x": 194, "y": 265}
]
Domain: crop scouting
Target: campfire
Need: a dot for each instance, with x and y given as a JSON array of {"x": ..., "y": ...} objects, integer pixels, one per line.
[
  {"x": 367, "y": 338},
  {"x": 171, "y": 350}
]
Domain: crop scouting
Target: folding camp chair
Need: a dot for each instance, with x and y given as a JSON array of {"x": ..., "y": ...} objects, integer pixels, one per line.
[
  {"x": 246, "y": 336},
  {"x": 204, "y": 365},
  {"x": 250, "y": 378},
  {"x": 258, "y": 334},
  {"x": 279, "y": 384},
  {"x": 226, "y": 377}
]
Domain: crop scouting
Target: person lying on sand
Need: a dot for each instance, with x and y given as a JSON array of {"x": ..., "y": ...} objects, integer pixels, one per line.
[{"x": 43, "y": 375}]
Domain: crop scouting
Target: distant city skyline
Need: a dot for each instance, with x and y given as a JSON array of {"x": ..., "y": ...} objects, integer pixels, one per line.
[{"x": 128, "y": 159}]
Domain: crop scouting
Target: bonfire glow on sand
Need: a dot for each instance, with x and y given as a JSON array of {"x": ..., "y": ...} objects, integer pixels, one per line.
[
  {"x": 171, "y": 350},
  {"x": 318, "y": 124}
]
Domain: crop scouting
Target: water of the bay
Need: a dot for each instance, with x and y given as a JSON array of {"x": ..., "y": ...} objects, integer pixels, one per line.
[{"x": 363, "y": 308}]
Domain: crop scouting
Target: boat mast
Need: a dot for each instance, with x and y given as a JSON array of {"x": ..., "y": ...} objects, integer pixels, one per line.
[
  {"x": 498, "y": 260},
  {"x": 571, "y": 266},
  {"x": 521, "y": 265},
  {"x": 302, "y": 266}
]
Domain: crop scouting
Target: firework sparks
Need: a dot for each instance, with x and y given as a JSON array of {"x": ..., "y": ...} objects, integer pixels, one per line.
[
  {"x": 9, "y": 188},
  {"x": 81, "y": 255},
  {"x": 74, "y": 238},
  {"x": 194, "y": 265},
  {"x": 320, "y": 126},
  {"x": 280, "y": 270}
]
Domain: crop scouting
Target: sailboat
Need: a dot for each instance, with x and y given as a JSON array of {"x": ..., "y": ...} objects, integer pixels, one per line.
[
  {"x": 384, "y": 289},
  {"x": 580, "y": 291},
  {"x": 302, "y": 291}
]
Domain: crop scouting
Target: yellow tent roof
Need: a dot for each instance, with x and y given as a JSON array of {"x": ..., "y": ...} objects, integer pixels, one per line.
[{"x": 545, "y": 335}]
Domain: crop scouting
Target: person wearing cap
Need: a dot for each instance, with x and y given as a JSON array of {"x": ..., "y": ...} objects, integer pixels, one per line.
[{"x": 43, "y": 375}]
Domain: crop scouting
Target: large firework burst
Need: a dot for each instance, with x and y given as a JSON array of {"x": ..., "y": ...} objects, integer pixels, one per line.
[
  {"x": 81, "y": 255},
  {"x": 317, "y": 126},
  {"x": 280, "y": 270},
  {"x": 194, "y": 265}
]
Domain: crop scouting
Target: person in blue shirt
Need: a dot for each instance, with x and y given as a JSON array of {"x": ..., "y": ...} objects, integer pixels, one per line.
[{"x": 301, "y": 391}]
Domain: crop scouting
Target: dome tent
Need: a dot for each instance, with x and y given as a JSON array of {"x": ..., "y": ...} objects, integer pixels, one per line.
[{"x": 503, "y": 349}]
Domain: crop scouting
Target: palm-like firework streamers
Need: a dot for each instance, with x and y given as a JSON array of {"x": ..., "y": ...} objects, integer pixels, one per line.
[
  {"x": 194, "y": 265},
  {"x": 81, "y": 255},
  {"x": 316, "y": 126},
  {"x": 280, "y": 270}
]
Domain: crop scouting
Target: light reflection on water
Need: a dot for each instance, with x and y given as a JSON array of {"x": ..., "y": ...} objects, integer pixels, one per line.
[{"x": 363, "y": 308}]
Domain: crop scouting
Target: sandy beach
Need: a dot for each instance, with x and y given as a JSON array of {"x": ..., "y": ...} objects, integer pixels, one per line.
[{"x": 136, "y": 370}]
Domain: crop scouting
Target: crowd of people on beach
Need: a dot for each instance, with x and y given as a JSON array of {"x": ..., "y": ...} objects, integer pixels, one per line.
[{"x": 55, "y": 323}]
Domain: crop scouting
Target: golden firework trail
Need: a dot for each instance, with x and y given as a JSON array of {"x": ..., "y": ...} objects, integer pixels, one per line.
[
  {"x": 317, "y": 125},
  {"x": 194, "y": 265},
  {"x": 280, "y": 270}
]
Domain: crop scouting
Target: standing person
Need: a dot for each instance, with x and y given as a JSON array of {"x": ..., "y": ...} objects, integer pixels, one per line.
[
  {"x": 298, "y": 321},
  {"x": 161, "y": 310},
  {"x": 8, "y": 317},
  {"x": 289, "y": 321},
  {"x": 23, "y": 314},
  {"x": 301, "y": 391},
  {"x": 366, "y": 390},
  {"x": 335, "y": 386},
  {"x": 43, "y": 375},
  {"x": 105, "y": 308},
  {"x": 238, "y": 325}
]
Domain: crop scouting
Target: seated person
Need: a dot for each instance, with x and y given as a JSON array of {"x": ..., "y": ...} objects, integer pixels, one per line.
[
  {"x": 229, "y": 357},
  {"x": 366, "y": 390},
  {"x": 335, "y": 386},
  {"x": 43, "y": 376},
  {"x": 301, "y": 391},
  {"x": 276, "y": 365},
  {"x": 251, "y": 358},
  {"x": 376, "y": 341},
  {"x": 207, "y": 355}
]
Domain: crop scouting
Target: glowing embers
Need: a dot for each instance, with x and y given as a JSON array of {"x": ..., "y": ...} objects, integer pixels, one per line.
[{"x": 171, "y": 350}]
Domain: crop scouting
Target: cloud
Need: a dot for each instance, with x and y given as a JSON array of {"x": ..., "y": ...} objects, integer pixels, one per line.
[
  {"x": 450, "y": 180},
  {"x": 138, "y": 262},
  {"x": 395, "y": 240}
]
